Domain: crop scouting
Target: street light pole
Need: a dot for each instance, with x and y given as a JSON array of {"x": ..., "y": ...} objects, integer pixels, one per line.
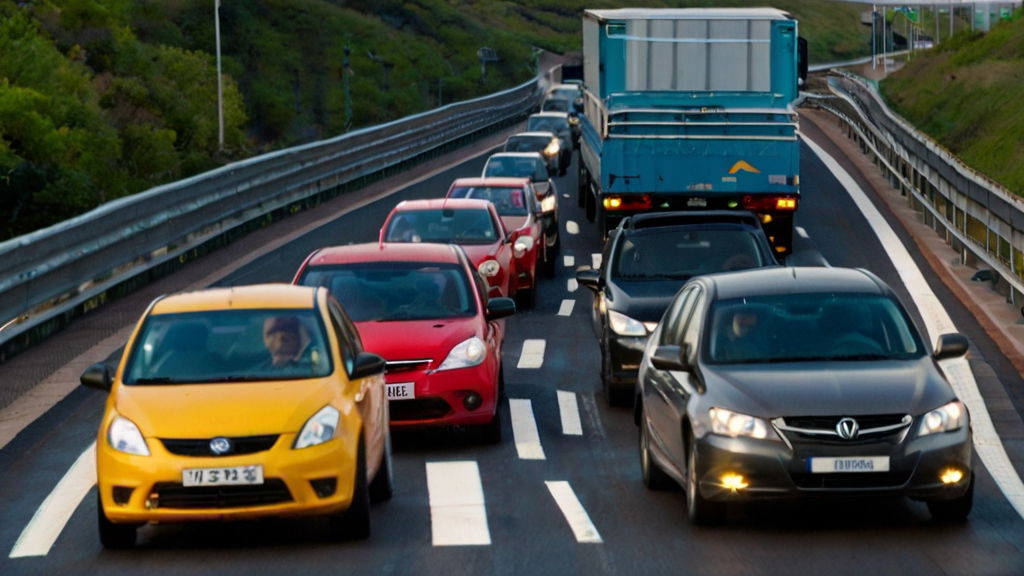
[{"x": 220, "y": 82}]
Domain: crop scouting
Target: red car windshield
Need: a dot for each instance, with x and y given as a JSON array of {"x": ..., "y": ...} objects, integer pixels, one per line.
[{"x": 392, "y": 291}]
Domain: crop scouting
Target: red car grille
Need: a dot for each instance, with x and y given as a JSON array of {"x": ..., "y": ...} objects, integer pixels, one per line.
[
  {"x": 396, "y": 366},
  {"x": 425, "y": 409}
]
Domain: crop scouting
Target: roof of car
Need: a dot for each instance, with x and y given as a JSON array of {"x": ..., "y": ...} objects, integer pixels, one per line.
[
  {"x": 690, "y": 218},
  {"x": 255, "y": 296},
  {"x": 794, "y": 280},
  {"x": 497, "y": 181},
  {"x": 534, "y": 134},
  {"x": 552, "y": 113},
  {"x": 385, "y": 252},
  {"x": 439, "y": 203},
  {"x": 516, "y": 155}
]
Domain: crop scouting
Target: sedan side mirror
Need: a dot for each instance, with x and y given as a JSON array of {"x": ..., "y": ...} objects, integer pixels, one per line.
[
  {"x": 367, "y": 364},
  {"x": 97, "y": 376},
  {"x": 951, "y": 345},
  {"x": 587, "y": 276},
  {"x": 669, "y": 357},
  {"x": 500, "y": 307}
]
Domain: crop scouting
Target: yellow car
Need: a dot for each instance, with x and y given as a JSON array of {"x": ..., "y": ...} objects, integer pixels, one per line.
[{"x": 238, "y": 403}]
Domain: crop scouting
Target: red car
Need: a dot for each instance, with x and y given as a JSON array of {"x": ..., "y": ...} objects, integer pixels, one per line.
[
  {"x": 425, "y": 309},
  {"x": 473, "y": 224},
  {"x": 520, "y": 209}
]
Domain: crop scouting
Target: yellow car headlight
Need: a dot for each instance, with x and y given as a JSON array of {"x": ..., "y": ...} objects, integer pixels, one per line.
[
  {"x": 124, "y": 436},
  {"x": 318, "y": 429}
]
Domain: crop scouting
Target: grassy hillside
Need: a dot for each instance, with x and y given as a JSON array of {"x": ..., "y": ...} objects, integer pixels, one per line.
[
  {"x": 104, "y": 98},
  {"x": 964, "y": 94}
]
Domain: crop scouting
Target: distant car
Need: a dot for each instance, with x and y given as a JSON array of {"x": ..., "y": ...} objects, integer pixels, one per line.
[
  {"x": 523, "y": 165},
  {"x": 473, "y": 224},
  {"x": 520, "y": 209},
  {"x": 425, "y": 309},
  {"x": 644, "y": 263},
  {"x": 569, "y": 91},
  {"x": 800, "y": 383},
  {"x": 562, "y": 123},
  {"x": 239, "y": 403},
  {"x": 556, "y": 151}
]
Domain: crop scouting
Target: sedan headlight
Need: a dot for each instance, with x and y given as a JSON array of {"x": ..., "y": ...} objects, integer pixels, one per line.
[
  {"x": 950, "y": 417},
  {"x": 489, "y": 268},
  {"x": 733, "y": 424},
  {"x": 465, "y": 354},
  {"x": 624, "y": 325},
  {"x": 318, "y": 429},
  {"x": 552, "y": 149},
  {"x": 124, "y": 436}
]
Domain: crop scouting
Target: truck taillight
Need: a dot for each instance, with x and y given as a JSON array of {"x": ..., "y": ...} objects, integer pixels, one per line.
[
  {"x": 770, "y": 203},
  {"x": 627, "y": 202}
]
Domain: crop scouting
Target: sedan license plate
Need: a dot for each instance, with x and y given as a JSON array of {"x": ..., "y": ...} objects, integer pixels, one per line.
[
  {"x": 401, "y": 391},
  {"x": 828, "y": 465},
  {"x": 237, "y": 475}
]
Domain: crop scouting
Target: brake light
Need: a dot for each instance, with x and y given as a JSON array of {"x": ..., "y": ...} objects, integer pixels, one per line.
[
  {"x": 613, "y": 203},
  {"x": 769, "y": 203}
]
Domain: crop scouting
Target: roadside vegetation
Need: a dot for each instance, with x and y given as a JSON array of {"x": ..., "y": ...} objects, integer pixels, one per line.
[
  {"x": 100, "y": 99},
  {"x": 964, "y": 93}
]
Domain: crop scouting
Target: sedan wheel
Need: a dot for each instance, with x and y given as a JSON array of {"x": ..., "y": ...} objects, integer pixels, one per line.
[
  {"x": 114, "y": 536},
  {"x": 383, "y": 485},
  {"x": 702, "y": 512},
  {"x": 654, "y": 477},
  {"x": 354, "y": 523}
]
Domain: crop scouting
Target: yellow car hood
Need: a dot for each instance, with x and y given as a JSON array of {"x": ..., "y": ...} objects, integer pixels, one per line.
[{"x": 228, "y": 409}]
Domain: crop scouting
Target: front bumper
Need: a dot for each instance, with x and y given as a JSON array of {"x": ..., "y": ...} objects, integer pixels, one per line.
[
  {"x": 623, "y": 355},
  {"x": 318, "y": 480},
  {"x": 773, "y": 470},
  {"x": 445, "y": 398}
]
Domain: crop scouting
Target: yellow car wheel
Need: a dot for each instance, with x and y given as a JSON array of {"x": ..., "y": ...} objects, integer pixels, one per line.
[{"x": 354, "y": 523}]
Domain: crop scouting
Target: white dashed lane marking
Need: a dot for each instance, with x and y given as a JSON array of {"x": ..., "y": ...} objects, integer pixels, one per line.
[
  {"x": 458, "y": 516},
  {"x": 566, "y": 308},
  {"x": 575, "y": 514},
  {"x": 532, "y": 355},
  {"x": 524, "y": 430},
  {"x": 569, "y": 410}
]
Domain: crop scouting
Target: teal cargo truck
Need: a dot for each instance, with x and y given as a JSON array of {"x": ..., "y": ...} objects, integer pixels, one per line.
[{"x": 691, "y": 108}]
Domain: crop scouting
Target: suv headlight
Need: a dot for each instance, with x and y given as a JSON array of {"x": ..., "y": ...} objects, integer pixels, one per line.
[
  {"x": 318, "y": 429},
  {"x": 950, "y": 417},
  {"x": 465, "y": 354},
  {"x": 124, "y": 436},
  {"x": 733, "y": 424},
  {"x": 624, "y": 325},
  {"x": 489, "y": 268}
]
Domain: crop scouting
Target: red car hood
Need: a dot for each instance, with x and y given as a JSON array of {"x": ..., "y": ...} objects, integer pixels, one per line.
[
  {"x": 416, "y": 339},
  {"x": 479, "y": 252},
  {"x": 514, "y": 222}
]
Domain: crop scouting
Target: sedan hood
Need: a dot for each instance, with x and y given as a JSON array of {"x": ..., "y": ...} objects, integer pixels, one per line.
[
  {"x": 829, "y": 388},
  {"x": 416, "y": 339},
  {"x": 222, "y": 409},
  {"x": 644, "y": 301},
  {"x": 479, "y": 252},
  {"x": 514, "y": 222}
]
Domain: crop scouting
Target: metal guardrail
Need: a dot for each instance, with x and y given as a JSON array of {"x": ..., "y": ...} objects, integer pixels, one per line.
[
  {"x": 980, "y": 219},
  {"x": 52, "y": 275}
]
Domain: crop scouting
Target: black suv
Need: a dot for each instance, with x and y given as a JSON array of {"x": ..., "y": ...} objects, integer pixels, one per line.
[{"x": 645, "y": 261}]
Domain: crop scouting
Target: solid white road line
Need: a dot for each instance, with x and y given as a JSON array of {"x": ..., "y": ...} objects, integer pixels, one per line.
[
  {"x": 524, "y": 430},
  {"x": 566, "y": 308},
  {"x": 458, "y": 516},
  {"x": 572, "y": 227},
  {"x": 532, "y": 355},
  {"x": 574, "y": 512},
  {"x": 569, "y": 261},
  {"x": 937, "y": 321},
  {"x": 50, "y": 518},
  {"x": 569, "y": 409}
]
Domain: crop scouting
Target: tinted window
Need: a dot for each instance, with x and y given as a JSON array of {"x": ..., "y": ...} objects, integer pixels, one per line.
[
  {"x": 509, "y": 200},
  {"x": 387, "y": 291},
  {"x": 471, "y": 226},
  {"x": 810, "y": 327},
  {"x": 660, "y": 253},
  {"x": 226, "y": 346}
]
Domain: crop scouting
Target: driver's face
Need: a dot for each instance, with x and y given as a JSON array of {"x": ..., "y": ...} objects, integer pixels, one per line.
[{"x": 743, "y": 323}]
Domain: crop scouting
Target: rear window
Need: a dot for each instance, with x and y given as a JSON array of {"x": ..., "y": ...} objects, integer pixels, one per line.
[
  {"x": 442, "y": 225},
  {"x": 660, "y": 253},
  {"x": 509, "y": 200}
]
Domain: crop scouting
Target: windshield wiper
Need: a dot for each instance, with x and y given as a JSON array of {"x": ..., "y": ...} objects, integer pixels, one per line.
[{"x": 156, "y": 380}]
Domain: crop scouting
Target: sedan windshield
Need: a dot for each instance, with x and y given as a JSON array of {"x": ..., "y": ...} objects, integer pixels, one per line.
[
  {"x": 809, "y": 327},
  {"x": 679, "y": 253},
  {"x": 390, "y": 291},
  {"x": 228, "y": 346},
  {"x": 443, "y": 225}
]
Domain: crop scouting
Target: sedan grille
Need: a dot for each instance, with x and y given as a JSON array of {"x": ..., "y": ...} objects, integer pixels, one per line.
[
  {"x": 424, "y": 409},
  {"x": 200, "y": 447},
  {"x": 174, "y": 495},
  {"x": 396, "y": 366},
  {"x": 843, "y": 429},
  {"x": 856, "y": 481}
]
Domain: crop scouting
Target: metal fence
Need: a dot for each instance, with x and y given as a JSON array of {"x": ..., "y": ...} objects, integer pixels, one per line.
[
  {"x": 979, "y": 218},
  {"x": 50, "y": 276}
]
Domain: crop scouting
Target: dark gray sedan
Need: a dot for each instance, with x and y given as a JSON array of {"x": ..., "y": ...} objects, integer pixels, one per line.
[{"x": 800, "y": 382}]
